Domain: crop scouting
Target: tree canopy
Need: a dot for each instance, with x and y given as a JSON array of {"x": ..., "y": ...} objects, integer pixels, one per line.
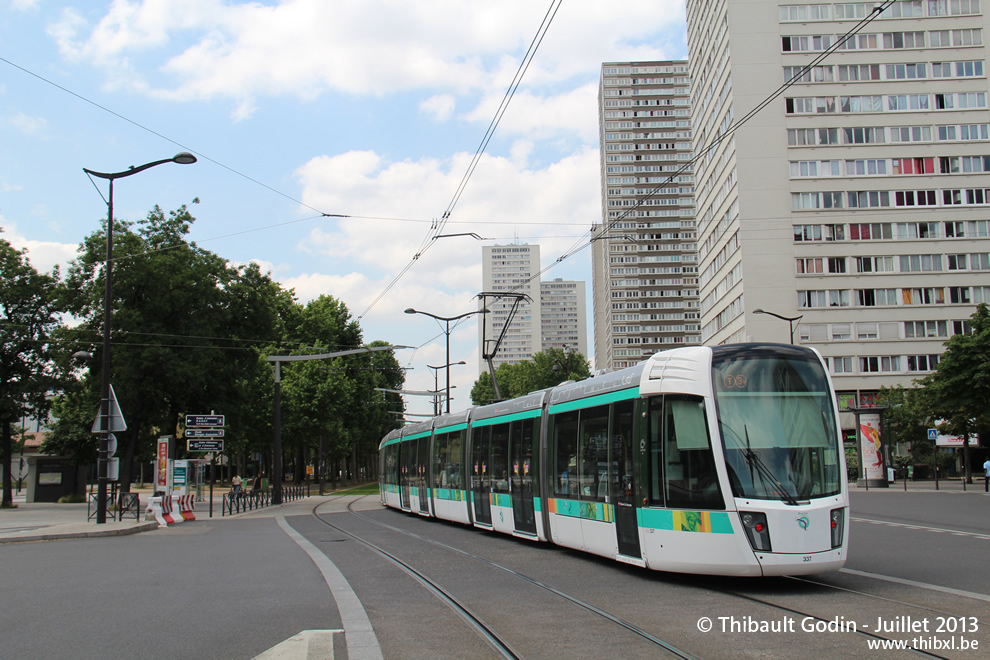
[
  {"x": 190, "y": 334},
  {"x": 545, "y": 369},
  {"x": 29, "y": 313}
]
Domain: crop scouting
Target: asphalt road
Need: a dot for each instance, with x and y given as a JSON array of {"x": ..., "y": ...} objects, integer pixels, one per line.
[{"x": 234, "y": 588}]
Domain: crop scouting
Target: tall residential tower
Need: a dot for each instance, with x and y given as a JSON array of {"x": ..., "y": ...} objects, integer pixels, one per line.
[
  {"x": 857, "y": 200},
  {"x": 645, "y": 273}
]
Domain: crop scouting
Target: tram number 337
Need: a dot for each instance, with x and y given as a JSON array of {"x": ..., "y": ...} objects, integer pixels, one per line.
[{"x": 806, "y": 559}]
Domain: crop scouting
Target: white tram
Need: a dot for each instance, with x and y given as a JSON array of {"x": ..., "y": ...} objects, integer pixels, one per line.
[{"x": 721, "y": 460}]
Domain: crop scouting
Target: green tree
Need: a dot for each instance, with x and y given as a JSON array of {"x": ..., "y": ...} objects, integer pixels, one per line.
[
  {"x": 171, "y": 325},
  {"x": 545, "y": 369},
  {"x": 71, "y": 435},
  {"x": 958, "y": 391},
  {"x": 317, "y": 393},
  {"x": 29, "y": 313}
]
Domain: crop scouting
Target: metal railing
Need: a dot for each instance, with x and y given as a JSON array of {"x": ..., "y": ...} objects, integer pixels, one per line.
[
  {"x": 127, "y": 504},
  {"x": 258, "y": 499}
]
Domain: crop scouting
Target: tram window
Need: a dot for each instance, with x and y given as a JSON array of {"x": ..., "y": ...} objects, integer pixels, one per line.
[
  {"x": 500, "y": 458},
  {"x": 452, "y": 468},
  {"x": 593, "y": 468},
  {"x": 690, "y": 477},
  {"x": 439, "y": 459},
  {"x": 622, "y": 458},
  {"x": 565, "y": 481},
  {"x": 656, "y": 452}
]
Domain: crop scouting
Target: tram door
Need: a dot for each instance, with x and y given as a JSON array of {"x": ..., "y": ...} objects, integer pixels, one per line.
[
  {"x": 480, "y": 476},
  {"x": 623, "y": 493},
  {"x": 521, "y": 475},
  {"x": 407, "y": 461},
  {"x": 422, "y": 480}
]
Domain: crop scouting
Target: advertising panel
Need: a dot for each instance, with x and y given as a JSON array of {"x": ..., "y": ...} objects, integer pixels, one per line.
[{"x": 869, "y": 442}]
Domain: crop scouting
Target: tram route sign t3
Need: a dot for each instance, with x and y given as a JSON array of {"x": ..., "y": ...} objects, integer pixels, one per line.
[{"x": 204, "y": 420}]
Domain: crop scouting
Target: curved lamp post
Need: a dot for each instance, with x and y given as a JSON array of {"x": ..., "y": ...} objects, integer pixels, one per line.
[
  {"x": 790, "y": 320},
  {"x": 183, "y": 158},
  {"x": 447, "y": 320}
]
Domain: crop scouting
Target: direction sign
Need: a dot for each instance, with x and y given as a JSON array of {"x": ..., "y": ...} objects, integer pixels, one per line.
[
  {"x": 204, "y": 420},
  {"x": 204, "y": 433},
  {"x": 204, "y": 445}
]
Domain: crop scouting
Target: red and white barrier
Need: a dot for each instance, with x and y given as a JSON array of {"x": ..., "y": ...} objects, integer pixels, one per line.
[
  {"x": 186, "y": 505},
  {"x": 171, "y": 510}
]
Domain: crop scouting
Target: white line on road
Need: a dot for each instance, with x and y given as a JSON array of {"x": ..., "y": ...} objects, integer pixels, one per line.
[
  {"x": 937, "y": 530},
  {"x": 912, "y": 583},
  {"x": 362, "y": 644}
]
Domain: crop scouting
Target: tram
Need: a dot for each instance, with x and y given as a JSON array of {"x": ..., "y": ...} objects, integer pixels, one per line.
[{"x": 723, "y": 460}]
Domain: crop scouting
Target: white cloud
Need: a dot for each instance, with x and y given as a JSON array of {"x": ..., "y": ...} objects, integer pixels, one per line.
[
  {"x": 307, "y": 47},
  {"x": 24, "y": 5},
  {"x": 440, "y": 107},
  {"x": 43, "y": 255},
  {"x": 27, "y": 125}
]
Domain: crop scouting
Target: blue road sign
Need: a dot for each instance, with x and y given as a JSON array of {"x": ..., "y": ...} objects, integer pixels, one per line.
[{"x": 932, "y": 434}]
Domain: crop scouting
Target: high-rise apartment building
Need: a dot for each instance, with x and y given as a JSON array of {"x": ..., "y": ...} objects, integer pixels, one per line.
[
  {"x": 645, "y": 272},
  {"x": 563, "y": 313},
  {"x": 553, "y": 314},
  {"x": 511, "y": 269},
  {"x": 857, "y": 200}
]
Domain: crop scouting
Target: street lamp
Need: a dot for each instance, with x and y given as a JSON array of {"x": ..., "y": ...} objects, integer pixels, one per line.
[
  {"x": 182, "y": 158},
  {"x": 790, "y": 320},
  {"x": 446, "y": 331},
  {"x": 436, "y": 388}
]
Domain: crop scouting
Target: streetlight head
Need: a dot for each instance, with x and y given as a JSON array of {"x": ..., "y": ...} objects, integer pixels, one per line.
[
  {"x": 83, "y": 355},
  {"x": 410, "y": 310},
  {"x": 758, "y": 311},
  {"x": 184, "y": 158}
]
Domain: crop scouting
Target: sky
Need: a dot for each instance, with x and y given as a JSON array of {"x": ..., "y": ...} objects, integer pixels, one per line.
[{"x": 370, "y": 109}]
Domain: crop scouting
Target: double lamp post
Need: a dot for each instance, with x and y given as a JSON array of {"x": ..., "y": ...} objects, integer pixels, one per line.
[{"x": 446, "y": 331}]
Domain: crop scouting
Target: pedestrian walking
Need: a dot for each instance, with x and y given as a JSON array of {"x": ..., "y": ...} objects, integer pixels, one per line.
[
  {"x": 256, "y": 486},
  {"x": 986, "y": 476},
  {"x": 235, "y": 485}
]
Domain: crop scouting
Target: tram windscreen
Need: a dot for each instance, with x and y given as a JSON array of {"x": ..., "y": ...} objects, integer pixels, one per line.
[{"x": 778, "y": 427}]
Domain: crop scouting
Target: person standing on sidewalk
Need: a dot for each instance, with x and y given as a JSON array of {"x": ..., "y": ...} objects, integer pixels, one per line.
[{"x": 986, "y": 477}]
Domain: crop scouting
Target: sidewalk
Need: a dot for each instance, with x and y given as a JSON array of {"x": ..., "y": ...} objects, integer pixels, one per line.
[
  {"x": 47, "y": 521},
  {"x": 949, "y": 485}
]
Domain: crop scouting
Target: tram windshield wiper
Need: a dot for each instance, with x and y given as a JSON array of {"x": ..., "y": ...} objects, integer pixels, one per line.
[{"x": 767, "y": 477}]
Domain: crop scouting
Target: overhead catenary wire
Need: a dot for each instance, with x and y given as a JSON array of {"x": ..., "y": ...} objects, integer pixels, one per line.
[
  {"x": 437, "y": 228},
  {"x": 716, "y": 141}
]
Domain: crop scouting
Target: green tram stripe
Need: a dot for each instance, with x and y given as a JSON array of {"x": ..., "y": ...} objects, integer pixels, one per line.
[
  {"x": 599, "y": 400},
  {"x": 451, "y": 429},
  {"x": 502, "y": 419}
]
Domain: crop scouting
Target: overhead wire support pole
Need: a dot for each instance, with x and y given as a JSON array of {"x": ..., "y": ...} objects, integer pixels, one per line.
[{"x": 277, "y": 421}]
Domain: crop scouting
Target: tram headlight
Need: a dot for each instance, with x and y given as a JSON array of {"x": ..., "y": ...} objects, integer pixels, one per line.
[
  {"x": 757, "y": 530},
  {"x": 837, "y": 520}
]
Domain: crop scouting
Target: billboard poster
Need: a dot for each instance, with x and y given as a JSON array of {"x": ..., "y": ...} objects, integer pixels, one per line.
[
  {"x": 869, "y": 442},
  {"x": 161, "y": 466}
]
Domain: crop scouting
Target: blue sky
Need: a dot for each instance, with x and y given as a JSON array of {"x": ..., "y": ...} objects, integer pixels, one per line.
[{"x": 369, "y": 108}]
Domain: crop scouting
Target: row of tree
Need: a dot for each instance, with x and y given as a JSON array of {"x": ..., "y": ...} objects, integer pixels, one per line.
[
  {"x": 545, "y": 369},
  {"x": 955, "y": 397},
  {"x": 191, "y": 334}
]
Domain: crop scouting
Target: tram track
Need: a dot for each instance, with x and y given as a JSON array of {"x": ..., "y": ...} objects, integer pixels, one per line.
[{"x": 462, "y": 610}]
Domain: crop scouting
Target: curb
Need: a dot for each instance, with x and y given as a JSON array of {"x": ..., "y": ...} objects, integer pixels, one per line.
[{"x": 125, "y": 531}]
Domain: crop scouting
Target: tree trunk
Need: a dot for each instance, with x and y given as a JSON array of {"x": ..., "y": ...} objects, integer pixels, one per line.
[{"x": 7, "y": 449}]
